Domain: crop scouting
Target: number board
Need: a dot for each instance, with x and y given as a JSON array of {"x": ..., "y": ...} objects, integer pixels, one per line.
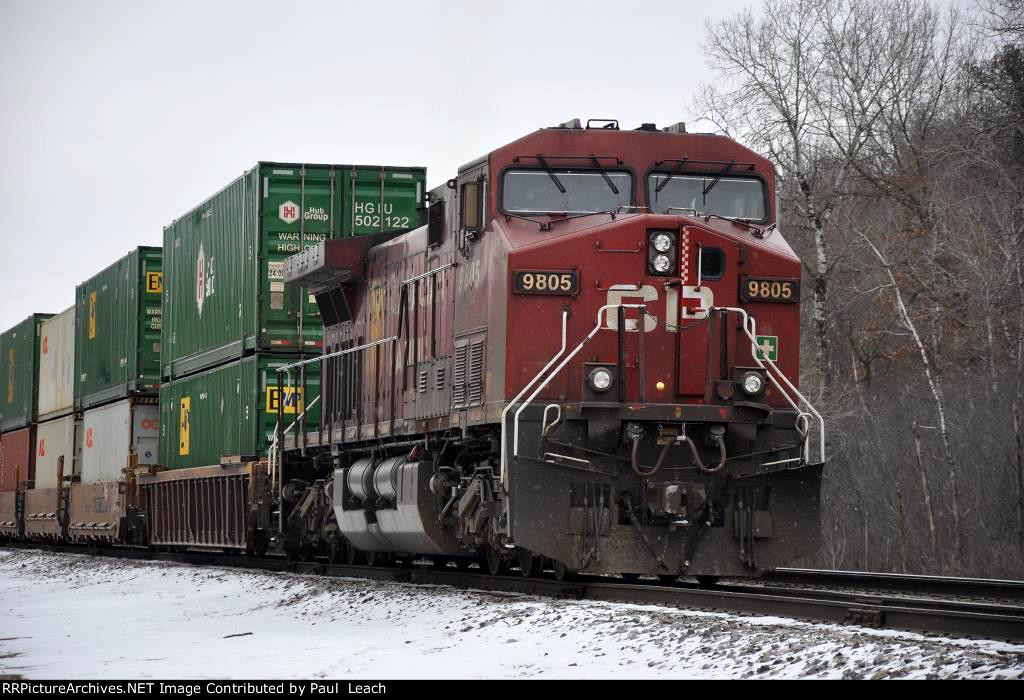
[
  {"x": 769, "y": 289},
  {"x": 564, "y": 282}
]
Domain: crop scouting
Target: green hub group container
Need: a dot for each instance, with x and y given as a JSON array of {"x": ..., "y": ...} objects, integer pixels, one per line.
[
  {"x": 117, "y": 330},
  {"x": 231, "y": 411},
  {"x": 224, "y": 261},
  {"x": 19, "y": 380}
]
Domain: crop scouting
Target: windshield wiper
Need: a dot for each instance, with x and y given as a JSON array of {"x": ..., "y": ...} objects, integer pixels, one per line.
[
  {"x": 543, "y": 226},
  {"x": 552, "y": 222},
  {"x": 608, "y": 180},
  {"x": 741, "y": 222},
  {"x": 717, "y": 178},
  {"x": 668, "y": 178},
  {"x": 551, "y": 174}
]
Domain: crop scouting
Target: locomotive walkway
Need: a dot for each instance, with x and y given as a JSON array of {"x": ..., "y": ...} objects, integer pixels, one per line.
[{"x": 927, "y": 604}]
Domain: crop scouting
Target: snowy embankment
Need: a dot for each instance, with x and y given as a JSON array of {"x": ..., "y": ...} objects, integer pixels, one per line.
[{"x": 72, "y": 616}]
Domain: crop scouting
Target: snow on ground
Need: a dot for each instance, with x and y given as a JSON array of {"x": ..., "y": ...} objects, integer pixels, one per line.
[{"x": 72, "y": 616}]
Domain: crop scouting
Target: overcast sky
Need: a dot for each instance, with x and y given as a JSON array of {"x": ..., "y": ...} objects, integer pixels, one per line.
[{"x": 117, "y": 117}]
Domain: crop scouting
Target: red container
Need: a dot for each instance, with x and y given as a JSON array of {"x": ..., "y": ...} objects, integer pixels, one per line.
[{"x": 17, "y": 458}]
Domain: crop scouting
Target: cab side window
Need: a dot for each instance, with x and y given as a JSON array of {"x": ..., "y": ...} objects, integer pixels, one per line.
[{"x": 471, "y": 202}]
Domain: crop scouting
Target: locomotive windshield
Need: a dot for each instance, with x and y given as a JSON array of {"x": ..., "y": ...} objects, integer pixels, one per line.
[
  {"x": 565, "y": 191},
  {"x": 737, "y": 198}
]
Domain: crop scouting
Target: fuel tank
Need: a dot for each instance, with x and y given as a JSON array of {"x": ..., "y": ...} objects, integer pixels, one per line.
[{"x": 387, "y": 506}]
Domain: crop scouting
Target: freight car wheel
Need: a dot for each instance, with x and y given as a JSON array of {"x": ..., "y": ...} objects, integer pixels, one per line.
[
  {"x": 707, "y": 581},
  {"x": 668, "y": 578},
  {"x": 353, "y": 556},
  {"x": 631, "y": 577},
  {"x": 562, "y": 571},
  {"x": 492, "y": 562},
  {"x": 530, "y": 565}
]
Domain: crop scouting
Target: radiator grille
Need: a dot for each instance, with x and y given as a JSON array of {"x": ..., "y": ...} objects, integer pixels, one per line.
[
  {"x": 459, "y": 377},
  {"x": 468, "y": 374},
  {"x": 476, "y": 373}
]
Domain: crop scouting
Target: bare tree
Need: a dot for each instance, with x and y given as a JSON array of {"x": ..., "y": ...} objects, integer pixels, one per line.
[
  {"x": 1003, "y": 17},
  {"x": 940, "y": 406},
  {"x": 806, "y": 82},
  {"x": 898, "y": 130}
]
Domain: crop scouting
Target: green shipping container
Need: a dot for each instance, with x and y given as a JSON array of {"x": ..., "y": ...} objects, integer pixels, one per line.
[
  {"x": 19, "y": 381},
  {"x": 117, "y": 330},
  {"x": 230, "y": 411},
  {"x": 224, "y": 294}
]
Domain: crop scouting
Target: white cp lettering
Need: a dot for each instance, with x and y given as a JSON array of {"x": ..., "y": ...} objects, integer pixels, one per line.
[{"x": 633, "y": 294}]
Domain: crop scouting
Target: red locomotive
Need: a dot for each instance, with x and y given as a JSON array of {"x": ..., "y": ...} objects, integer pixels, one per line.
[{"x": 589, "y": 354}]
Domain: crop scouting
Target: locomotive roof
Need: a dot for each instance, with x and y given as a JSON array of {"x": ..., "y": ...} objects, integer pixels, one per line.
[{"x": 643, "y": 147}]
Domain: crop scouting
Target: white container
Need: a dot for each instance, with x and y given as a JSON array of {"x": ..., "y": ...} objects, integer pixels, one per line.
[
  {"x": 57, "y": 365},
  {"x": 112, "y": 433},
  {"x": 54, "y": 439}
]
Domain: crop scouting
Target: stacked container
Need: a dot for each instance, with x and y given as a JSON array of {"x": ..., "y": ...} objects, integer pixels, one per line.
[
  {"x": 57, "y": 438},
  {"x": 57, "y": 434},
  {"x": 118, "y": 322},
  {"x": 117, "y": 364},
  {"x": 19, "y": 409},
  {"x": 229, "y": 411},
  {"x": 19, "y": 380},
  {"x": 229, "y": 322}
]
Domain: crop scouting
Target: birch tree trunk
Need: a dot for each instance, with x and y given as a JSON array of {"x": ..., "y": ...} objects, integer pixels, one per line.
[{"x": 940, "y": 407}]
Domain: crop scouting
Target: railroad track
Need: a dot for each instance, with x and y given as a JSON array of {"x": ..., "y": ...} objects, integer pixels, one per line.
[
  {"x": 905, "y": 610},
  {"x": 941, "y": 585}
]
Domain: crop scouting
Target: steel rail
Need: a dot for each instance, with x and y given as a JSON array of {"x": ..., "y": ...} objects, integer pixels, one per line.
[
  {"x": 960, "y": 618},
  {"x": 918, "y": 583}
]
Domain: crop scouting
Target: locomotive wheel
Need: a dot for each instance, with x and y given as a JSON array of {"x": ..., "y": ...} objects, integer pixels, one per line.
[
  {"x": 530, "y": 565},
  {"x": 562, "y": 571},
  {"x": 492, "y": 562}
]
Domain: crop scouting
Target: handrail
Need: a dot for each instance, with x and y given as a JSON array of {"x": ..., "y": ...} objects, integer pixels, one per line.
[
  {"x": 508, "y": 406},
  {"x": 559, "y": 368},
  {"x": 275, "y": 444},
  {"x": 428, "y": 273},
  {"x": 750, "y": 329},
  {"x": 339, "y": 353},
  {"x": 280, "y": 434}
]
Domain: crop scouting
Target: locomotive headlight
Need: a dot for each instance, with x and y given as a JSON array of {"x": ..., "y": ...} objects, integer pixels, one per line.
[
  {"x": 600, "y": 379},
  {"x": 752, "y": 383},
  {"x": 662, "y": 242},
  {"x": 662, "y": 253}
]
